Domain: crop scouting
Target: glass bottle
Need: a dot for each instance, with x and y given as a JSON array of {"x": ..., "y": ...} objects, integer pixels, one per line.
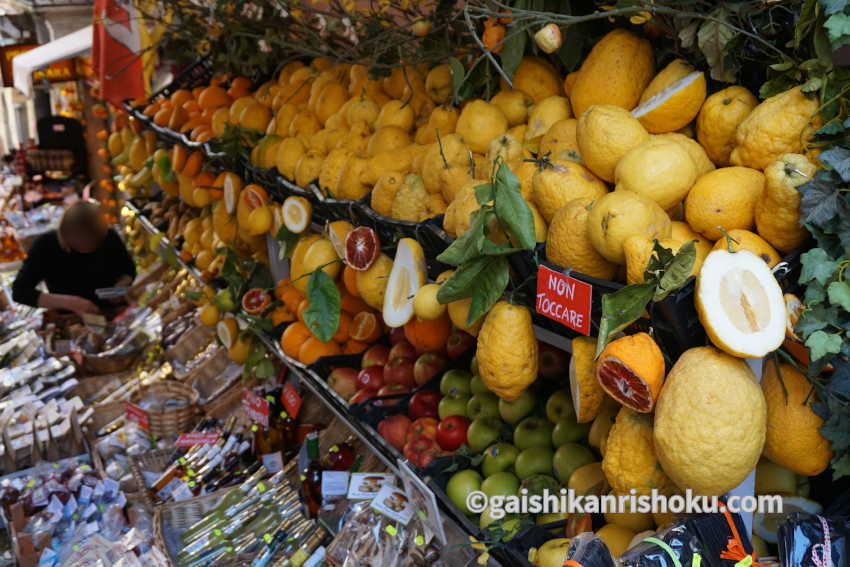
[{"x": 311, "y": 477}]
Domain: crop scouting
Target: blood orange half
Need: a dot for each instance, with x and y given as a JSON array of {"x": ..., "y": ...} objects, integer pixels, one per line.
[
  {"x": 631, "y": 370},
  {"x": 362, "y": 248},
  {"x": 255, "y": 301}
]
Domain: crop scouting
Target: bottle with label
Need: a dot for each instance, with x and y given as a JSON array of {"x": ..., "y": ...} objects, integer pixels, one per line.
[
  {"x": 270, "y": 443},
  {"x": 300, "y": 556},
  {"x": 311, "y": 477},
  {"x": 340, "y": 457}
]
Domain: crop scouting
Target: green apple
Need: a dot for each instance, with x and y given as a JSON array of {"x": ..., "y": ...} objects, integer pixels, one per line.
[
  {"x": 460, "y": 485},
  {"x": 568, "y": 458},
  {"x": 569, "y": 431},
  {"x": 536, "y": 484},
  {"x": 513, "y": 412},
  {"x": 455, "y": 381},
  {"x": 559, "y": 407},
  {"x": 483, "y": 405},
  {"x": 500, "y": 484},
  {"x": 483, "y": 432},
  {"x": 497, "y": 458},
  {"x": 536, "y": 460},
  {"x": 533, "y": 432},
  {"x": 453, "y": 404},
  {"x": 477, "y": 386}
]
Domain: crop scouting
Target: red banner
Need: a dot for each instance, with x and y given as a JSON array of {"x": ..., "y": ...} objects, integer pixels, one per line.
[
  {"x": 564, "y": 299},
  {"x": 117, "y": 50}
]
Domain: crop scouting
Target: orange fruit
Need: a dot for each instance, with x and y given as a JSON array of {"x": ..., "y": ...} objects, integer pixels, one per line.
[
  {"x": 342, "y": 332},
  {"x": 293, "y": 337},
  {"x": 179, "y": 97},
  {"x": 202, "y": 134},
  {"x": 281, "y": 315},
  {"x": 152, "y": 108},
  {"x": 241, "y": 82},
  {"x": 631, "y": 370},
  {"x": 313, "y": 349},
  {"x": 349, "y": 279},
  {"x": 191, "y": 106},
  {"x": 196, "y": 92},
  {"x": 288, "y": 294},
  {"x": 162, "y": 117},
  {"x": 349, "y": 303},
  {"x": 204, "y": 180},
  {"x": 178, "y": 157},
  {"x": 365, "y": 327},
  {"x": 193, "y": 164},
  {"x": 303, "y": 305},
  {"x": 428, "y": 335},
  {"x": 213, "y": 97},
  {"x": 178, "y": 117},
  {"x": 354, "y": 347},
  {"x": 102, "y": 134}
]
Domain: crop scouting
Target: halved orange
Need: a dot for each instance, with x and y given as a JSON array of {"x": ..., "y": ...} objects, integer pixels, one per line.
[{"x": 631, "y": 370}]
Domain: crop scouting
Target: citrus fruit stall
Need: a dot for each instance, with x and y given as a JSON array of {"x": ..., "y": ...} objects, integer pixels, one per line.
[{"x": 528, "y": 253}]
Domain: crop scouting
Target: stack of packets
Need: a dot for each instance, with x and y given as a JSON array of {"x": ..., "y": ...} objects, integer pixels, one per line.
[{"x": 810, "y": 540}]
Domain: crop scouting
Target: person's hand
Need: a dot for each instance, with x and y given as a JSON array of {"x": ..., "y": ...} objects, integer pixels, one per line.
[{"x": 82, "y": 306}]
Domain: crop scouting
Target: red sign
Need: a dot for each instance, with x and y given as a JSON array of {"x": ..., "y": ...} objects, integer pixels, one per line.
[
  {"x": 564, "y": 299},
  {"x": 138, "y": 416},
  {"x": 256, "y": 407},
  {"x": 117, "y": 49},
  {"x": 291, "y": 400},
  {"x": 190, "y": 439}
]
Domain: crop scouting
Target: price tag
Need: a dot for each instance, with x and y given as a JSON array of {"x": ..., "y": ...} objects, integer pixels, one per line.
[
  {"x": 256, "y": 407},
  {"x": 190, "y": 439},
  {"x": 564, "y": 299},
  {"x": 291, "y": 400},
  {"x": 138, "y": 416}
]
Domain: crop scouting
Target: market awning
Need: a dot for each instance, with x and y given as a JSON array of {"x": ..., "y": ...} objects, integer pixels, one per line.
[{"x": 66, "y": 46}]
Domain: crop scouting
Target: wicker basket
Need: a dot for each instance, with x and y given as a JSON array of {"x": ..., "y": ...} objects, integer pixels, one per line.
[
  {"x": 92, "y": 388},
  {"x": 103, "y": 415},
  {"x": 95, "y": 364},
  {"x": 154, "y": 461},
  {"x": 229, "y": 400},
  {"x": 208, "y": 369},
  {"x": 172, "y": 519},
  {"x": 190, "y": 344},
  {"x": 171, "y": 421}
]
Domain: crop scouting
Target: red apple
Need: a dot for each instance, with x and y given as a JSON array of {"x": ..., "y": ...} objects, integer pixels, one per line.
[
  {"x": 403, "y": 349},
  {"x": 421, "y": 451},
  {"x": 371, "y": 378},
  {"x": 423, "y": 427},
  {"x": 390, "y": 390},
  {"x": 362, "y": 395},
  {"x": 343, "y": 381},
  {"x": 553, "y": 361},
  {"x": 459, "y": 343},
  {"x": 376, "y": 355},
  {"x": 397, "y": 335},
  {"x": 427, "y": 366},
  {"x": 451, "y": 432},
  {"x": 424, "y": 404},
  {"x": 394, "y": 430},
  {"x": 399, "y": 371}
]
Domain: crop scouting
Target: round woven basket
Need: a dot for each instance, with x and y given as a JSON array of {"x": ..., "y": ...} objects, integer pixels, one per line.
[{"x": 171, "y": 421}]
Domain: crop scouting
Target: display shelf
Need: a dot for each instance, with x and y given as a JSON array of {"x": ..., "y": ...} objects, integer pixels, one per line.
[{"x": 165, "y": 243}]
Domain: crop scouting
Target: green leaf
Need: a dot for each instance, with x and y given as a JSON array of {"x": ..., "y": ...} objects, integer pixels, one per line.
[
  {"x": 490, "y": 284},
  {"x": 839, "y": 294},
  {"x": 817, "y": 266},
  {"x": 838, "y": 159},
  {"x": 821, "y": 200},
  {"x": 620, "y": 309},
  {"x": 458, "y": 73},
  {"x": 264, "y": 369},
  {"x": 815, "y": 318},
  {"x": 712, "y": 38},
  {"x": 461, "y": 284},
  {"x": 513, "y": 49},
  {"x": 287, "y": 240},
  {"x": 821, "y": 344},
  {"x": 322, "y": 316},
  {"x": 511, "y": 209},
  {"x": 469, "y": 244},
  {"x": 814, "y": 294},
  {"x": 838, "y": 28},
  {"x": 813, "y": 85},
  {"x": 164, "y": 165},
  {"x": 833, "y": 6},
  {"x": 484, "y": 193},
  {"x": 192, "y": 295},
  {"x": 678, "y": 272}
]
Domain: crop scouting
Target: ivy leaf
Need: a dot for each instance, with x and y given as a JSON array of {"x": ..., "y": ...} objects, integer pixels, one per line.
[
  {"x": 712, "y": 38},
  {"x": 838, "y": 28},
  {"x": 484, "y": 193},
  {"x": 677, "y": 272},
  {"x": 833, "y": 6},
  {"x": 838, "y": 159},
  {"x": 620, "y": 309},
  {"x": 469, "y": 244},
  {"x": 513, "y": 49},
  {"x": 287, "y": 240},
  {"x": 821, "y": 343},
  {"x": 814, "y": 294},
  {"x": 817, "y": 266},
  {"x": 511, "y": 209},
  {"x": 322, "y": 316},
  {"x": 839, "y": 294},
  {"x": 820, "y": 200},
  {"x": 491, "y": 283},
  {"x": 815, "y": 318},
  {"x": 461, "y": 284},
  {"x": 831, "y": 128}
]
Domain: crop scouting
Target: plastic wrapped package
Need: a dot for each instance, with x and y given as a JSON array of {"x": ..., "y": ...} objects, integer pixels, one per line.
[
  {"x": 674, "y": 546},
  {"x": 588, "y": 550},
  {"x": 369, "y": 539},
  {"x": 810, "y": 540}
]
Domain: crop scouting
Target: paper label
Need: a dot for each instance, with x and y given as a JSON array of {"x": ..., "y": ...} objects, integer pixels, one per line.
[
  {"x": 291, "y": 400},
  {"x": 168, "y": 489},
  {"x": 190, "y": 439},
  {"x": 85, "y": 494},
  {"x": 256, "y": 407},
  {"x": 564, "y": 299},
  {"x": 273, "y": 462},
  {"x": 182, "y": 492},
  {"x": 315, "y": 559},
  {"x": 363, "y": 486},
  {"x": 393, "y": 503},
  {"x": 111, "y": 486},
  {"x": 138, "y": 416},
  {"x": 334, "y": 484}
]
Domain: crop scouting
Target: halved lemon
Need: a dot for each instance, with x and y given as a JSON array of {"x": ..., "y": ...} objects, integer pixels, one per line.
[
  {"x": 297, "y": 212},
  {"x": 337, "y": 232},
  {"x": 586, "y": 392},
  {"x": 674, "y": 107},
  {"x": 227, "y": 330},
  {"x": 406, "y": 277},
  {"x": 232, "y": 186},
  {"x": 740, "y": 304}
]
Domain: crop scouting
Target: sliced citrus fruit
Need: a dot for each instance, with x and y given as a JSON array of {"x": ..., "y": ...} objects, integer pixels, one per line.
[
  {"x": 586, "y": 392},
  {"x": 675, "y": 106},
  {"x": 631, "y": 370},
  {"x": 793, "y": 309},
  {"x": 232, "y": 186},
  {"x": 365, "y": 327},
  {"x": 767, "y": 524},
  {"x": 297, "y": 213},
  {"x": 260, "y": 221},
  {"x": 362, "y": 248},
  {"x": 255, "y": 301},
  {"x": 406, "y": 277},
  {"x": 227, "y": 329},
  {"x": 740, "y": 304},
  {"x": 337, "y": 231}
]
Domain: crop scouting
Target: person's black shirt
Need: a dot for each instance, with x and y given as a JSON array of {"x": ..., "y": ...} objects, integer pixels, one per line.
[{"x": 71, "y": 273}]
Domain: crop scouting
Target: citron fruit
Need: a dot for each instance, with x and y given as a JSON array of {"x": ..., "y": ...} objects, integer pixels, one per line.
[
  {"x": 793, "y": 436},
  {"x": 479, "y": 123},
  {"x": 507, "y": 351},
  {"x": 514, "y": 104},
  {"x": 709, "y": 426},
  {"x": 724, "y": 199},
  {"x": 782, "y": 124},
  {"x": 606, "y": 133},
  {"x": 674, "y": 106},
  {"x": 777, "y": 214},
  {"x": 616, "y": 72},
  {"x": 459, "y": 314},
  {"x": 537, "y": 78},
  {"x": 587, "y": 394},
  {"x": 406, "y": 277},
  {"x": 621, "y": 214},
  {"x": 425, "y": 304},
  {"x": 597, "y": 437},
  {"x": 740, "y": 304},
  {"x": 439, "y": 83},
  {"x": 372, "y": 282},
  {"x": 675, "y": 70},
  {"x": 659, "y": 169},
  {"x": 617, "y": 538},
  {"x": 638, "y": 250},
  {"x": 545, "y": 113},
  {"x": 209, "y": 315},
  {"x": 630, "y": 462},
  {"x": 631, "y": 370},
  {"x": 557, "y": 182},
  {"x": 568, "y": 242},
  {"x": 633, "y": 521},
  {"x": 740, "y": 239},
  {"x": 718, "y": 119},
  {"x": 696, "y": 151},
  {"x": 240, "y": 350},
  {"x": 259, "y": 221},
  {"x": 297, "y": 213},
  {"x": 559, "y": 141}
]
